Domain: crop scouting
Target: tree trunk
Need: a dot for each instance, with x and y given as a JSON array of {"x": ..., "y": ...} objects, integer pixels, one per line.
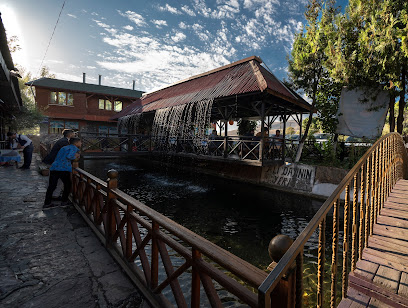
[
  {"x": 306, "y": 132},
  {"x": 401, "y": 106},
  {"x": 391, "y": 118}
]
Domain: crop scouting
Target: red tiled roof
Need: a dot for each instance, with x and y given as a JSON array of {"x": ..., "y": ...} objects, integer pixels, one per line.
[{"x": 240, "y": 77}]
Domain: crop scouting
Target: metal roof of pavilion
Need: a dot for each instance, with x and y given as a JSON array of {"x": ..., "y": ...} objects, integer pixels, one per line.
[
  {"x": 58, "y": 84},
  {"x": 241, "y": 77}
]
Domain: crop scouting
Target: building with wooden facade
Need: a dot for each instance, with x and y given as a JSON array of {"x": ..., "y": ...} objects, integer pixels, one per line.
[
  {"x": 10, "y": 96},
  {"x": 80, "y": 106}
]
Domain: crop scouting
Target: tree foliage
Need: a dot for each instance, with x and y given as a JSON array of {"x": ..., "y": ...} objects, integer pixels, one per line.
[
  {"x": 370, "y": 49},
  {"x": 365, "y": 46},
  {"x": 29, "y": 117},
  {"x": 307, "y": 64}
]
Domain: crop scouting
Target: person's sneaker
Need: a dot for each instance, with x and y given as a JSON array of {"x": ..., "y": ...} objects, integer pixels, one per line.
[
  {"x": 66, "y": 203},
  {"x": 50, "y": 205}
]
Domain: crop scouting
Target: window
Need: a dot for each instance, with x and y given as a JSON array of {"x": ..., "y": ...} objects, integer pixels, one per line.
[
  {"x": 62, "y": 98},
  {"x": 113, "y": 130},
  {"x": 56, "y": 127},
  {"x": 108, "y": 105},
  {"x": 118, "y": 106},
  {"x": 71, "y": 125},
  {"x": 101, "y": 103},
  {"x": 103, "y": 130},
  {"x": 70, "y": 100},
  {"x": 53, "y": 98}
]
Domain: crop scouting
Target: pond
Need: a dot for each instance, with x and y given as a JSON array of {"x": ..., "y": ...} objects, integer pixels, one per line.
[{"x": 239, "y": 217}]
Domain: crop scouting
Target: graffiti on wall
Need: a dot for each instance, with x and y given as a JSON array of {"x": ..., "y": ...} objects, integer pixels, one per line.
[{"x": 293, "y": 176}]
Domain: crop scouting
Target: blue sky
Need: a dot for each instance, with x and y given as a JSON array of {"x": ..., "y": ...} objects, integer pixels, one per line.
[{"x": 154, "y": 43}]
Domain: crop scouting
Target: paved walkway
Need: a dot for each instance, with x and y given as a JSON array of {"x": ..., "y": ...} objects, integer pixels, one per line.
[
  {"x": 51, "y": 258},
  {"x": 381, "y": 277}
]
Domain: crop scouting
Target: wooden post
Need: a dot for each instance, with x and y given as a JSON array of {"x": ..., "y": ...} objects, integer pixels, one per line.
[
  {"x": 75, "y": 165},
  {"x": 129, "y": 233},
  {"x": 284, "y": 295},
  {"x": 284, "y": 136},
  {"x": 262, "y": 141},
  {"x": 300, "y": 126},
  {"x": 129, "y": 143},
  {"x": 226, "y": 139},
  {"x": 155, "y": 257},
  {"x": 195, "y": 283},
  {"x": 112, "y": 183}
]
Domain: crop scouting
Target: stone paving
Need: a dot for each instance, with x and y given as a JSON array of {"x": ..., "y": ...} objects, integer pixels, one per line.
[{"x": 52, "y": 258}]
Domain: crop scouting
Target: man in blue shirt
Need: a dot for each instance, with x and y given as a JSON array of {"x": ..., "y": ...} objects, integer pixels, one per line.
[
  {"x": 22, "y": 142},
  {"x": 61, "y": 168}
]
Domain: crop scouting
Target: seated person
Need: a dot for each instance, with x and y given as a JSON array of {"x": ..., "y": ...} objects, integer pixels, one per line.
[{"x": 278, "y": 138}]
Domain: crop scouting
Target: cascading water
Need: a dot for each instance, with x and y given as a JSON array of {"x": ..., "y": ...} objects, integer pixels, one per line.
[
  {"x": 184, "y": 124},
  {"x": 129, "y": 122}
]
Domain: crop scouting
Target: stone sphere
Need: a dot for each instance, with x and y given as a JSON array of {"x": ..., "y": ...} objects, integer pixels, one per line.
[
  {"x": 112, "y": 174},
  {"x": 278, "y": 246}
]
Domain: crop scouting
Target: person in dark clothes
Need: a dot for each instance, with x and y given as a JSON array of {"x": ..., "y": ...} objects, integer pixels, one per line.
[
  {"x": 22, "y": 142},
  {"x": 61, "y": 168},
  {"x": 64, "y": 141}
]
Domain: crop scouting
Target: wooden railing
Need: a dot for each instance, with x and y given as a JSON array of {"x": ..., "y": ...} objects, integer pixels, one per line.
[
  {"x": 353, "y": 209},
  {"x": 156, "y": 251}
]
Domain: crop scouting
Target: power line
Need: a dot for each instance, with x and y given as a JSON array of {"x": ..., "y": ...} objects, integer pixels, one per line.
[{"x": 49, "y": 43}]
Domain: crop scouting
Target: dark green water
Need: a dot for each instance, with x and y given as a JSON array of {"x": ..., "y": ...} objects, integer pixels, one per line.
[{"x": 241, "y": 218}]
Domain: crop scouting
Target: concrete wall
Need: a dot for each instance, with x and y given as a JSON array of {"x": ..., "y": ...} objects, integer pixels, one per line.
[{"x": 316, "y": 181}]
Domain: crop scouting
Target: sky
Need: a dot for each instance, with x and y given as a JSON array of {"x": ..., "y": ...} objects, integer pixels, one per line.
[{"x": 155, "y": 43}]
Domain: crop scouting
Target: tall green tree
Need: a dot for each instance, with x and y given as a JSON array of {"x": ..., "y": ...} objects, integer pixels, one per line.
[
  {"x": 370, "y": 50},
  {"x": 307, "y": 62}
]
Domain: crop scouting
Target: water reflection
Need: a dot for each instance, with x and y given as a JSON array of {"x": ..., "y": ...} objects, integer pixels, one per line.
[{"x": 241, "y": 218}]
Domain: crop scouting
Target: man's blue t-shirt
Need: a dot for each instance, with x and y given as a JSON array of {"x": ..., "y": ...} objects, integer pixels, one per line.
[{"x": 64, "y": 157}]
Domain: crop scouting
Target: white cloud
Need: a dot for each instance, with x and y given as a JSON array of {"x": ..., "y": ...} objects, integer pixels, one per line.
[
  {"x": 197, "y": 27},
  {"x": 178, "y": 37},
  {"x": 54, "y": 61},
  {"x": 91, "y": 67},
  {"x": 134, "y": 17},
  {"x": 72, "y": 16},
  {"x": 182, "y": 25},
  {"x": 170, "y": 9},
  {"x": 159, "y": 23},
  {"x": 94, "y": 14},
  {"x": 67, "y": 76},
  {"x": 187, "y": 10},
  {"x": 128, "y": 27}
]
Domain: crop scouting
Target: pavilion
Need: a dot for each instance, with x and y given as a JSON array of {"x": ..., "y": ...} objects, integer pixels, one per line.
[{"x": 241, "y": 90}]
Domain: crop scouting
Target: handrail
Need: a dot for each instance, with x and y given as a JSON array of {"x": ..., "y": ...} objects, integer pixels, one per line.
[
  {"x": 389, "y": 158},
  {"x": 116, "y": 216},
  {"x": 235, "y": 265}
]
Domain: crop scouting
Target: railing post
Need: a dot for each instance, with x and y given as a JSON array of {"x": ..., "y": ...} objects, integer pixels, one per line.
[
  {"x": 75, "y": 165},
  {"x": 284, "y": 295},
  {"x": 154, "y": 257},
  {"x": 195, "y": 283},
  {"x": 129, "y": 232},
  {"x": 129, "y": 144},
  {"x": 112, "y": 183}
]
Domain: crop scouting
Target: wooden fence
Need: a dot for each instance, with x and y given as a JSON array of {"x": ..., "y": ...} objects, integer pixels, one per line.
[{"x": 143, "y": 241}]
